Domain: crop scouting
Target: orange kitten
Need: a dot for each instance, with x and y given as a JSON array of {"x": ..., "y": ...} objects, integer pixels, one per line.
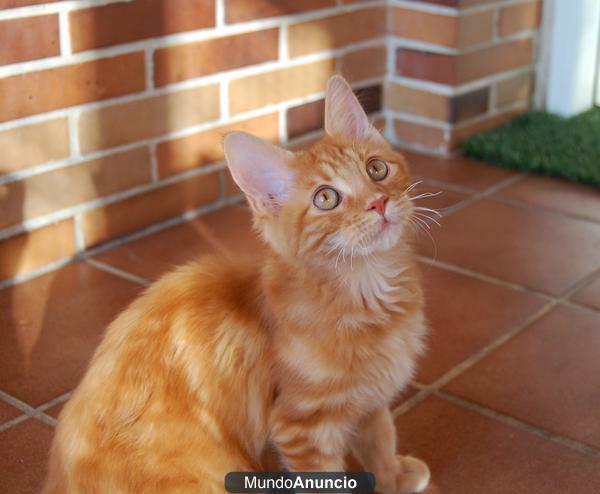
[{"x": 303, "y": 350}]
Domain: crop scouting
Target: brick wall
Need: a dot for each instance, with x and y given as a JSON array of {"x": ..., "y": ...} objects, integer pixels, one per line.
[
  {"x": 112, "y": 111},
  {"x": 457, "y": 67}
]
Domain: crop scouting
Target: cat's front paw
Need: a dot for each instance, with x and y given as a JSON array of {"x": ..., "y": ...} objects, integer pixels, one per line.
[{"x": 411, "y": 475}]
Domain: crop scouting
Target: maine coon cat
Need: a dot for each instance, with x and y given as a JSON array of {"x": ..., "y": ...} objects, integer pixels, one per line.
[{"x": 302, "y": 350}]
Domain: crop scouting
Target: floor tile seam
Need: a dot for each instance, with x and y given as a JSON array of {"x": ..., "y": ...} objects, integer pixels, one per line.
[
  {"x": 492, "y": 280},
  {"x": 518, "y": 423},
  {"x": 542, "y": 209},
  {"x": 483, "y": 194},
  {"x": 426, "y": 390},
  {"x": 27, "y": 410},
  {"x": 118, "y": 272}
]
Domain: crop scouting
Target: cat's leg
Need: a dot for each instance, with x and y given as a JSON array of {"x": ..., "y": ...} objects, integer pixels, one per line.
[
  {"x": 375, "y": 448},
  {"x": 315, "y": 442}
]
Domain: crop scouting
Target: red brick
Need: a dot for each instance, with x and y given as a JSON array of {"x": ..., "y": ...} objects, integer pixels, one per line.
[
  {"x": 29, "y": 145},
  {"x": 245, "y": 10},
  {"x": 305, "y": 118},
  {"x": 200, "y": 149},
  {"x": 414, "y": 101},
  {"x": 61, "y": 87},
  {"x": 495, "y": 59},
  {"x": 29, "y": 38},
  {"x": 336, "y": 31},
  {"x": 64, "y": 187},
  {"x": 140, "y": 211},
  {"x": 519, "y": 17},
  {"x": 177, "y": 63},
  {"x": 425, "y": 26},
  {"x": 469, "y": 105},
  {"x": 111, "y": 125},
  {"x": 24, "y": 253},
  {"x": 428, "y": 66},
  {"x": 421, "y": 135},
  {"x": 363, "y": 64},
  {"x": 258, "y": 90},
  {"x": 458, "y": 69},
  {"x": 141, "y": 19}
]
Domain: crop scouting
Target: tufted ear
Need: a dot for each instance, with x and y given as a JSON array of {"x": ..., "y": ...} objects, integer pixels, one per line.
[
  {"x": 344, "y": 115},
  {"x": 260, "y": 169}
]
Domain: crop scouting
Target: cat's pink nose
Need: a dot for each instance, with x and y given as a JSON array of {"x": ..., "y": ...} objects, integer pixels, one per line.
[{"x": 378, "y": 205}]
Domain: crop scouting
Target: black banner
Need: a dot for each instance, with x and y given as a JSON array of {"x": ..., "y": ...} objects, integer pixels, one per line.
[{"x": 300, "y": 482}]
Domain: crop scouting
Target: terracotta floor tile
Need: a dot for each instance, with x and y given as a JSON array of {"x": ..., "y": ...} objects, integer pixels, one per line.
[
  {"x": 50, "y": 327},
  {"x": 464, "y": 316},
  {"x": 555, "y": 194},
  {"x": 548, "y": 375},
  {"x": 228, "y": 229},
  {"x": 23, "y": 457},
  {"x": 589, "y": 295},
  {"x": 469, "y": 453},
  {"x": 459, "y": 170},
  {"x": 55, "y": 410},
  {"x": 536, "y": 249},
  {"x": 8, "y": 412}
]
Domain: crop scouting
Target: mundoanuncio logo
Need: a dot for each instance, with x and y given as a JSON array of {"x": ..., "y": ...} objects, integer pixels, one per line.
[{"x": 300, "y": 482}]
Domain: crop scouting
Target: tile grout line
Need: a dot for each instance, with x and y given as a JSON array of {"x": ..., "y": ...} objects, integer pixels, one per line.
[
  {"x": 542, "y": 209},
  {"x": 125, "y": 239},
  {"x": 518, "y": 424},
  {"x": 484, "y": 193},
  {"x": 12, "y": 422},
  {"x": 25, "y": 416},
  {"x": 102, "y": 266},
  {"x": 28, "y": 411},
  {"x": 474, "y": 358},
  {"x": 469, "y": 362},
  {"x": 480, "y": 276},
  {"x": 586, "y": 280}
]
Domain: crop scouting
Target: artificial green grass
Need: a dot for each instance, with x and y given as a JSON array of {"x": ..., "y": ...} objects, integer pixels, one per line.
[{"x": 540, "y": 142}]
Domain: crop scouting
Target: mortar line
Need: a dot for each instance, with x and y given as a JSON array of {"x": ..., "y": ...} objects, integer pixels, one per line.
[
  {"x": 519, "y": 424},
  {"x": 108, "y": 268},
  {"x": 484, "y": 193},
  {"x": 479, "y": 355},
  {"x": 28, "y": 410},
  {"x": 175, "y": 39},
  {"x": 12, "y": 422},
  {"x": 168, "y": 136}
]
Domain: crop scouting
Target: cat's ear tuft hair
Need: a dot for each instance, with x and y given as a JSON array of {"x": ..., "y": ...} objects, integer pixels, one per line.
[
  {"x": 260, "y": 169},
  {"x": 344, "y": 115}
]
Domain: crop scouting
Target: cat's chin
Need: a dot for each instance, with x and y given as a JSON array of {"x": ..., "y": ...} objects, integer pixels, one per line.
[{"x": 389, "y": 237}]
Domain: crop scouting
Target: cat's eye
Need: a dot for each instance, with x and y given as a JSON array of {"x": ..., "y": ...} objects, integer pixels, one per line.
[
  {"x": 377, "y": 169},
  {"x": 326, "y": 198}
]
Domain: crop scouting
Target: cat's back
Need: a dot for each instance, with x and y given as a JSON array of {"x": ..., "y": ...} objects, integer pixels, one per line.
[{"x": 152, "y": 399}]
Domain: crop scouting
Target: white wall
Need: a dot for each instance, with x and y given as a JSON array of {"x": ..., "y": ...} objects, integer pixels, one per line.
[{"x": 573, "y": 55}]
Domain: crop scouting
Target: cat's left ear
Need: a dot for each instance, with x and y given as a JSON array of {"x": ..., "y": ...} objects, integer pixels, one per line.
[
  {"x": 344, "y": 115},
  {"x": 260, "y": 169}
]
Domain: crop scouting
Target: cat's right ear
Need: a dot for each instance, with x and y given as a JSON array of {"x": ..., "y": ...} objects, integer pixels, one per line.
[{"x": 260, "y": 169}]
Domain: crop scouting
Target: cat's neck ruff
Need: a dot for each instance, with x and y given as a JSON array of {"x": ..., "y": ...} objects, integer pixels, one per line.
[{"x": 376, "y": 281}]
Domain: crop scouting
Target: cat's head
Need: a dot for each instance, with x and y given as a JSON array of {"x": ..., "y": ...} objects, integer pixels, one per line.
[{"x": 346, "y": 195}]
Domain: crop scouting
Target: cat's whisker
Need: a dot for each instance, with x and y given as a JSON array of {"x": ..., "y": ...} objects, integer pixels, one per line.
[
  {"x": 421, "y": 222},
  {"x": 426, "y": 230},
  {"x": 425, "y": 194},
  {"x": 433, "y": 220},
  {"x": 434, "y": 211},
  {"x": 412, "y": 186}
]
